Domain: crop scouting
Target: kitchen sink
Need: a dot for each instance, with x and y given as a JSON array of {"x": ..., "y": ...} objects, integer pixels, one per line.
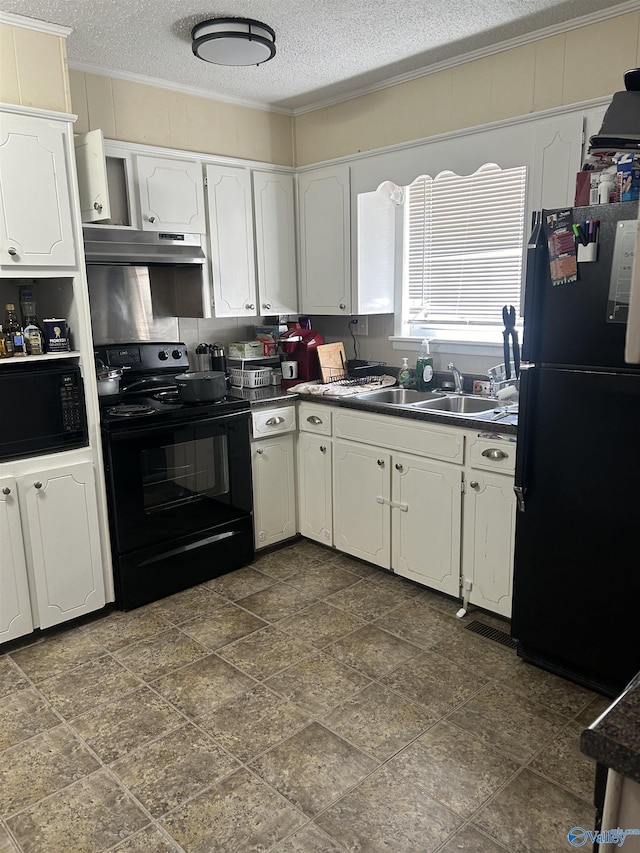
[
  {"x": 458, "y": 405},
  {"x": 398, "y": 396}
]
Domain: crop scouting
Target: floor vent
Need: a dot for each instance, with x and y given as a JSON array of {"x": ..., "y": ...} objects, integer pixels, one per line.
[{"x": 492, "y": 633}]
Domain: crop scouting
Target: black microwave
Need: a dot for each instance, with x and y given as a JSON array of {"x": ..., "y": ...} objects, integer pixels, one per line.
[{"x": 42, "y": 409}]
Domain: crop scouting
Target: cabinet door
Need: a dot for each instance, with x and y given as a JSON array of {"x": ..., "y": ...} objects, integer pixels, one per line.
[
  {"x": 489, "y": 537},
  {"x": 63, "y": 537},
  {"x": 426, "y": 522},
  {"x": 171, "y": 194},
  {"x": 362, "y": 486},
  {"x": 274, "y": 490},
  {"x": 275, "y": 242},
  {"x": 93, "y": 185},
  {"x": 325, "y": 241},
  {"x": 15, "y": 606},
  {"x": 231, "y": 236},
  {"x": 314, "y": 487},
  {"x": 36, "y": 228}
]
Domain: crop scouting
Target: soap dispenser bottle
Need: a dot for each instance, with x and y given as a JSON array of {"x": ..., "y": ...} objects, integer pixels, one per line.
[
  {"x": 424, "y": 367},
  {"x": 405, "y": 376}
]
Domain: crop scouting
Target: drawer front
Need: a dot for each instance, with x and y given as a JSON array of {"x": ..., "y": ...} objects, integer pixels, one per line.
[
  {"x": 419, "y": 437},
  {"x": 314, "y": 418},
  {"x": 273, "y": 421},
  {"x": 497, "y": 453}
]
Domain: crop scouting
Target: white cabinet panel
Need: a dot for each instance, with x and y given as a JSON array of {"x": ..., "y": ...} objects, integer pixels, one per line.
[
  {"x": 63, "y": 537},
  {"x": 231, "y": 237},
  {"x": 489, "y": 540},
  {"x": 274, "y": 489},
  {"x": 379, "y": 217},
  {"x": 15, "y": 606},
  {"x": 361, "y": 517},
  {"x": 171, "y": 194},
  {"x": 36, "y": 228},
  {"x": 426, "y": 522},
  {"x": 93, "y": 186},
  {"x": 275, "y": 242},
  {"x": 558, "y": 155},
  {"x": 315, "y": 499},
  {"x": 325, "y": 241}
]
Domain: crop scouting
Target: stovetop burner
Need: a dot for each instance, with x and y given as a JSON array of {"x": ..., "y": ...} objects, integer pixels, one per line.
[
  {"x": 130, "y": 410},
  {"x": 167, "y": 396}
]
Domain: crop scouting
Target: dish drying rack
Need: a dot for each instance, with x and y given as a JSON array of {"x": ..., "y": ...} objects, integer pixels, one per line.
[
  {"x": 498, "y": 378},
  {"x": 371, "y": 373}
]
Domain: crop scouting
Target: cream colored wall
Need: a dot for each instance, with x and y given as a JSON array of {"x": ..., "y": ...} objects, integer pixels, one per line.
[
  {"x": 152, "y": 115},
  {"x": 33, "y": 69},
  {"x": 576, "y": 66}
]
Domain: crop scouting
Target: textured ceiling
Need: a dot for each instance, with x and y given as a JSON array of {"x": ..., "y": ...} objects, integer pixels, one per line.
[{"x": 325, "y": 48}]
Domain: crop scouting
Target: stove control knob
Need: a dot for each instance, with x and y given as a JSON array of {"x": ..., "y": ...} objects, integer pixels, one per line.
[
  {"x": 163, "y": 355},
  {"x": 176, "y": 353}
]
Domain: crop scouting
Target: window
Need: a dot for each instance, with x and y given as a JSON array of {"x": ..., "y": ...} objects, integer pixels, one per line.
[{"x": 464, "y": 241}]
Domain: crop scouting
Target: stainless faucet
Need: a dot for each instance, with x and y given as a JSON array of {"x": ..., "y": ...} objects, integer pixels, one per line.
[{"x": 457, "y": 378}]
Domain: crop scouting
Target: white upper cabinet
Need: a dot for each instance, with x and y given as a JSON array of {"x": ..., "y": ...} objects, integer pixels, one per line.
[
  {"x": 93, "y": 185},
  {"x": 171, "y": 194},
  {"x": 275, "y": 242},
  {"x": 231, "y": 241},
  {"x": 325, "y": 241},
  {"x": 36, "y": 226},
  {"x": 379, "y": 220}
]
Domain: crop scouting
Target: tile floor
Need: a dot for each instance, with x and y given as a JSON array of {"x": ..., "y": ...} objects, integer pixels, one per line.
[{"x": 309, "y": 702}]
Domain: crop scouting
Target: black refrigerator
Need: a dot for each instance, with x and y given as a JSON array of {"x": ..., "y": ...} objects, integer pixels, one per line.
[{"x": 577, "y": 554}]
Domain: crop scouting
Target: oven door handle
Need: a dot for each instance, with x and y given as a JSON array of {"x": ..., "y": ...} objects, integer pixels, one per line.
[{"x": 196, "y": 423}]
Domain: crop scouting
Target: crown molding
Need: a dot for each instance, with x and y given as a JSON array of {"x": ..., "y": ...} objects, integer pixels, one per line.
[
  {"x": 37, "y": 112},
  {"x": 34, "y": 24},
  {"x": 481, "y": 53},
  {"x": 88, "y": 68}
]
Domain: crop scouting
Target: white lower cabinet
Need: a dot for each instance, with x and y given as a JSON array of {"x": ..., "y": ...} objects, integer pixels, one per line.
[
  {"x": 315, "y": 497},
  {"x": 42, "y": 513},
  {"x": 274, "y": 475}
]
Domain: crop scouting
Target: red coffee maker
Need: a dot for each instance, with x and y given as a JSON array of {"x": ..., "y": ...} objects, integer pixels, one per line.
[{"x": 300, "y": 345}]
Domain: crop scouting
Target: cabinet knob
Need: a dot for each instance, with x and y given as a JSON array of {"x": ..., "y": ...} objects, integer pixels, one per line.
[
  {"x": 152, "y": 219},
  {"x": 259, "y": 451},
  {"x": 250, "y": 306},
  {"x": 381, "y": 463},
  {"x": 97, "y": 206},
  {"x": 474, "y": 484},
  {"x": 12, "y": 251},
  {"x": 6, "y": 491},
  {"x": 398, "y": 466},
  {"x": 267, "y": 305},
  {"x": 342, "y": 306},
  {"x": 38, "y": 484},
  {"x": 323, "y": 449}
]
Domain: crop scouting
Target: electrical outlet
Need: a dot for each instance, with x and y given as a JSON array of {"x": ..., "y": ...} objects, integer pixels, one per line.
[
  {"x": 483, "y": 388},
  {"x": 360, "y": 325}
]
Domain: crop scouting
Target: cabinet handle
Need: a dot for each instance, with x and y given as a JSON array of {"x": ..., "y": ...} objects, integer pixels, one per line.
[
  {"x": 342, "y": 306},
  {"x": 314, "y": 419},
  {"x": 274, "y": 421},
  {"x": 259, "y": 451},
  {"x": 323, "y": 449},
  {"x": 12, "y": 251},
  {"x": 38, "y": 484},
  {"x": 401, "y": 505},
  {"x": 474, "y": 484},
  {"x": 381, "y": 463},
  {"x": 152, "y": 219},
  {"x": 495, "y": 453},
  {"x": 6, "y": 491},
  {"x": 398, "y": 466},
  {"x": 97, "y": 206},
  {"x": 267, "y": 305},
  {"x": 250, "y": 306}
]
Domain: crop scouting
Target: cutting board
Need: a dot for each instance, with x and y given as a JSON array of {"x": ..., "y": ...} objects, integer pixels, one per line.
[{"x": 333, "y": 362}]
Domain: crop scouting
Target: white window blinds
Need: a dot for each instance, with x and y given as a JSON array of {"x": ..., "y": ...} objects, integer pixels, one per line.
[{"x": 465, "y": 245}]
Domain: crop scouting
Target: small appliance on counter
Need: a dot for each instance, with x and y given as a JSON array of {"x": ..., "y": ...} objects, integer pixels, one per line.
[{"x": 300, "y": 346}]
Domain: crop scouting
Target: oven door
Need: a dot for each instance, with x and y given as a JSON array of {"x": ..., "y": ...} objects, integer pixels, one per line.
[{"x": 171, "y": 481}]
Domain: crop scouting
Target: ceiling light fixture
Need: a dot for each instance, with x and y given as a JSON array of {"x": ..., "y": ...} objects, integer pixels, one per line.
[{"x": 233, "y": 41}]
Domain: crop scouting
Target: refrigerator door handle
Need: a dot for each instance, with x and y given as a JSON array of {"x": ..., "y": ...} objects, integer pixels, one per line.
[{"x": 519, "y": 497}]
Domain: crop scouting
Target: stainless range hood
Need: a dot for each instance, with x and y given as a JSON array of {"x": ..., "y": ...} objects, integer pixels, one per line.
[{"x": 105, "y": 245}]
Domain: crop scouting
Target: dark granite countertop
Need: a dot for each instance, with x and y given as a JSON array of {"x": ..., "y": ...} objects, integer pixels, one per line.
[
  {"x": 275, "y": 395},
  {"x": 614, "y": 738}
]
